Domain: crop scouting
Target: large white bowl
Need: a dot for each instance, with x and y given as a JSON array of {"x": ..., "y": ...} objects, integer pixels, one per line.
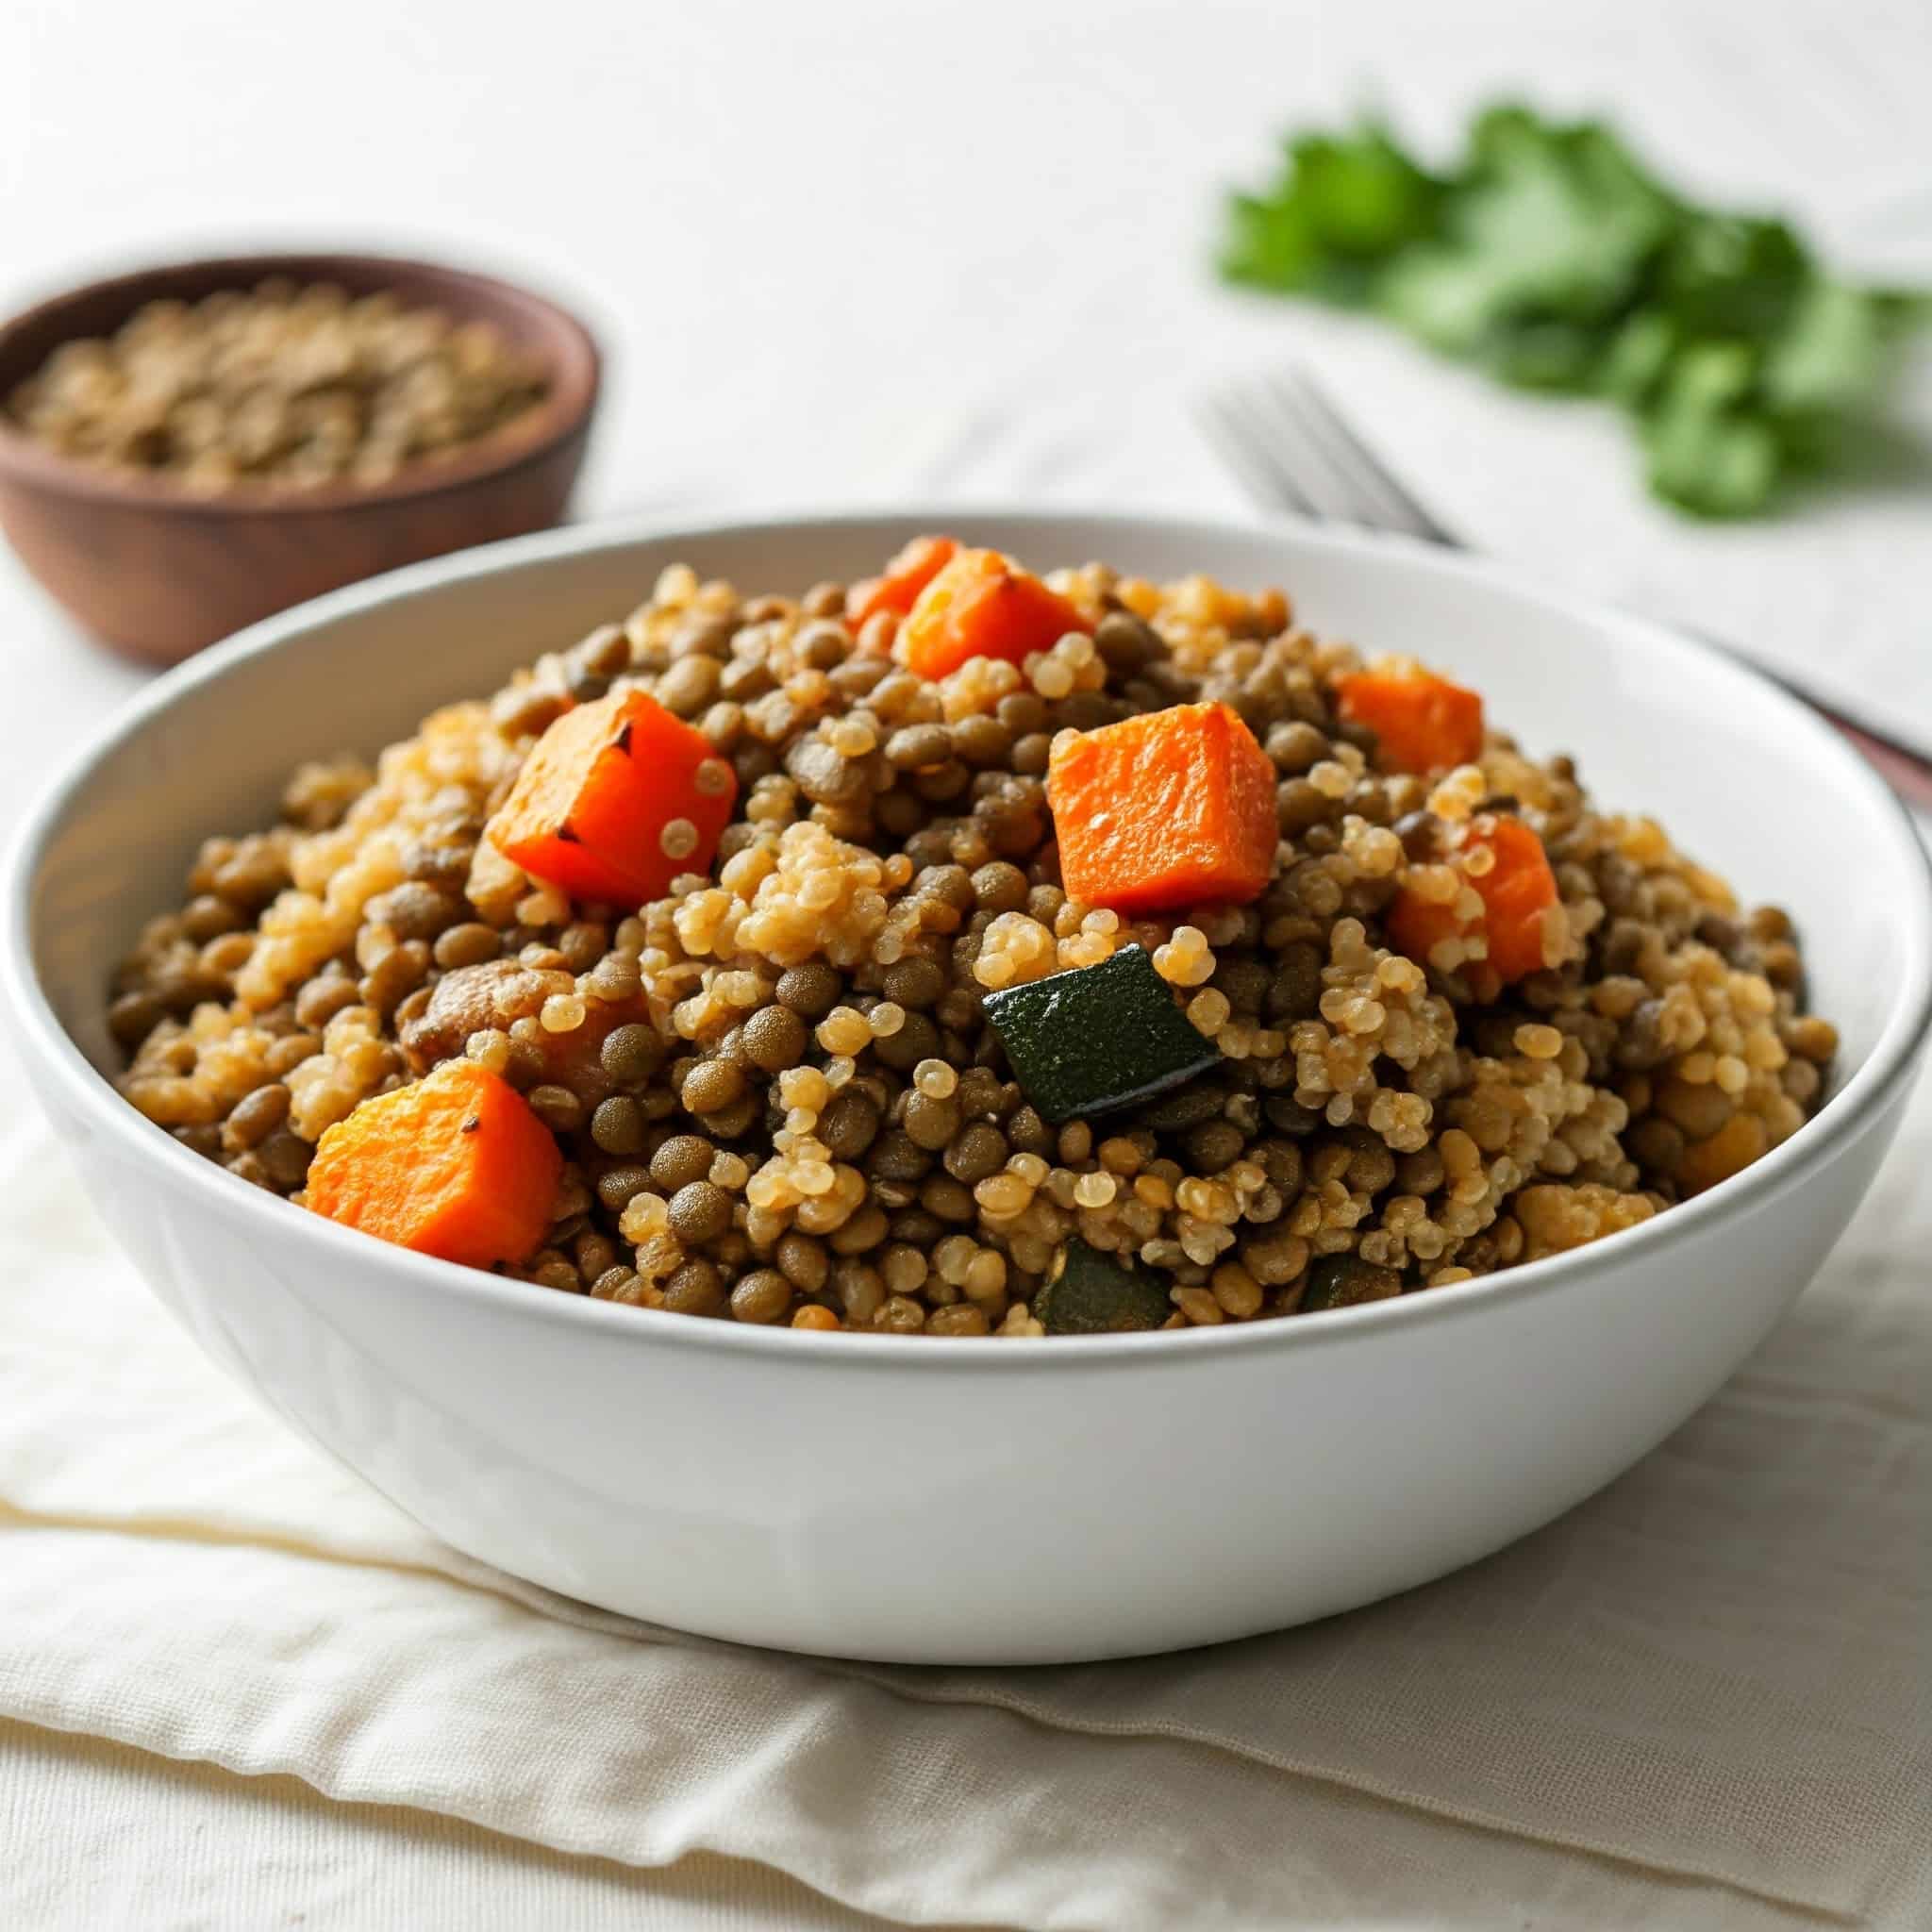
[{"x": 976, "y": 1501}]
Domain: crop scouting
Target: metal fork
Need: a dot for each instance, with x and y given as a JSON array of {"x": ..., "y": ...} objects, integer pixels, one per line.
[{"x": 1291, "y": 448}]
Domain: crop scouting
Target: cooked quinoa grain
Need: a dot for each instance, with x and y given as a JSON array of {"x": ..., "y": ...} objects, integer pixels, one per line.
[{"x": 778, "y": 1089}]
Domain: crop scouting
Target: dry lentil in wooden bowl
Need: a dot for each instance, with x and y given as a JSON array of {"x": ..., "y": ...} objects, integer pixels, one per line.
[
  {"x": 186, "y": 449},
  {"x": 963, "y": 952}
]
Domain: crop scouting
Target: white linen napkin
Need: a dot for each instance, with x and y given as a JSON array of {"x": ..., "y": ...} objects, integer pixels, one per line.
[{"x": 1704, "y": 1694}]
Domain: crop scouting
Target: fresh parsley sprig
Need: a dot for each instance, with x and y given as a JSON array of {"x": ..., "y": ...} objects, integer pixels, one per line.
[{"x": 1553, "y": 257}]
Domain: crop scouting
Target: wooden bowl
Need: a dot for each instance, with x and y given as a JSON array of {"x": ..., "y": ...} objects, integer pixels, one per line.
[{"x": 158, "y": 571}]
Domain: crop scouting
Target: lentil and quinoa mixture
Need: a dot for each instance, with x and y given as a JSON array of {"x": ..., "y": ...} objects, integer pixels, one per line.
[{"x": 777, "y": 1087}]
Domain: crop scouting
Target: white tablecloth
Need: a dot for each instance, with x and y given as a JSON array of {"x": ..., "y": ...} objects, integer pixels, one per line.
[{"x": 847, "y": 252}]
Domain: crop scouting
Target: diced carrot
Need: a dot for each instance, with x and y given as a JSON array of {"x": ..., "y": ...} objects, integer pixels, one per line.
[
  {"x": 615, "y": 800},
  {"x": 897, "y": 590},
  {"x": 456, "y": 1166},
  {"x": 1163, "y": 810},
  {"x": 982, "y": 605},
  {"x": 1422, "y": 722},
  {"x": 1516, "y": 891}
]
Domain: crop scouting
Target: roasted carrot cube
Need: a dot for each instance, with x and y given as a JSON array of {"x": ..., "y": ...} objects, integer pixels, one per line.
[
  {"x": 456, "y": 1166},
  {"x": 615, "y": 800},
  {"x": 1164, "y": 811},
  {"x": 1422, "y": 722},
  {"x": 1504, "y": 864},
  {"x": 897, "y": 588},
  {"x": 982, "y": 605}
]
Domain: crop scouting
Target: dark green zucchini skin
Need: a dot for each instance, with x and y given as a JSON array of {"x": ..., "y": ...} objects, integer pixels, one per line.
[
  {"x": 1340, "y": 1281},
  {"x": 1097, "y": 1037},
  {"x": 1096, "y": 1295}
]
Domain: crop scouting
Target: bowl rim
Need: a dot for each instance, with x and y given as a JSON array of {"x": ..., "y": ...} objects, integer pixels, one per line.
[
  {"x": 1844, "y": 1119},
  {"x": 576, "y": 370}
]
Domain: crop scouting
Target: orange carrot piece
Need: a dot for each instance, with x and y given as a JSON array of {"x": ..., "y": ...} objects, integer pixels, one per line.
[
  {"x": 1163, "y": 810},
  {"x": 982, "y": 605},
  {"x": 897, "y": 588},
  {"x": 456, "y": 1166},
  {"x": 1515, "y": 892},
  {"x": 615, "y": 800},
  {"x": 1422, "y": 722}
]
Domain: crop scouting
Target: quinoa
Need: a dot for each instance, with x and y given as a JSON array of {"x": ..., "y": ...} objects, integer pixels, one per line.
[{"x": 776, "y": 1089}]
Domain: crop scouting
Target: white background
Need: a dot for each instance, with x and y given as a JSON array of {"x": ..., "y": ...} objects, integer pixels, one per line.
[
  {"x": 852, "y": 251},
  {"x": 845, "y": 249}
]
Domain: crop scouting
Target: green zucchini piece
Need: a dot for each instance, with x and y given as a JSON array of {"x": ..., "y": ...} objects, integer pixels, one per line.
[
  {"x": 1340, "y": 1281},
  {"x": 1098, "y": 1036},
  {"x": 1093, "y": 1293},
  {"x": 1181, "y": 1107}
]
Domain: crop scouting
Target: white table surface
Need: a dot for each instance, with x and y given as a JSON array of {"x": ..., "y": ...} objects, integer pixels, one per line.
[{"x": 844, "y": 252}]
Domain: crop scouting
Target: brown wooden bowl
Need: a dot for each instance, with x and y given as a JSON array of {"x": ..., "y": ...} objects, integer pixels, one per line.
[{"x": 158, "y": 571}]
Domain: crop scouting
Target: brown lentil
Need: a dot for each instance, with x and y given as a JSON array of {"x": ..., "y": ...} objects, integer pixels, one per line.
[
  {"x": 696, "y": 1287},
  {"x": 711, "y": 1087},
  {"x": 682, "y": 1159},
  {"x": 558, "y": 1108},
  {"x": 810, "y": 990},
  {"x": 863, "y": 1232},
  {"x": 775, "y": 1038},
  {"x": 285, "y": 1158},
  {"x": 803, "y": 1262},
  {"x": 618, "y": 1125},
  {"x": 255, "y": 1114},
  {"x": 762, "y": 1296},
  {"x": 930, "y": 1124},
  {"x": 914, "y": 1038},
  {"x": 849, "y": 1125},
  {"x": 699, "y": 1212},
  {"x": 977, "y": 1151},
  {"x": 1213, "y": 1146},
  {"x": 631, "y": 1054}
]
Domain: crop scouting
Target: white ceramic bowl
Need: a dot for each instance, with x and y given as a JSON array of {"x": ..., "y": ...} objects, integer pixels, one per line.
[{"x": 976, "y": 1501}]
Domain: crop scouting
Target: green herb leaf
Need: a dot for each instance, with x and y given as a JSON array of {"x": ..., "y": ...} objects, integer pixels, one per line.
[
  {"x": 1341, "y": 209},
  {"x": 1553, "y": 259},
  {"x": 1830, "y": 353}
]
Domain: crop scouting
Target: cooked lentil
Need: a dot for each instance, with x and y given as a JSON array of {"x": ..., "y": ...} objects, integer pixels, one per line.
[{"x": 780, "y": 1092}]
